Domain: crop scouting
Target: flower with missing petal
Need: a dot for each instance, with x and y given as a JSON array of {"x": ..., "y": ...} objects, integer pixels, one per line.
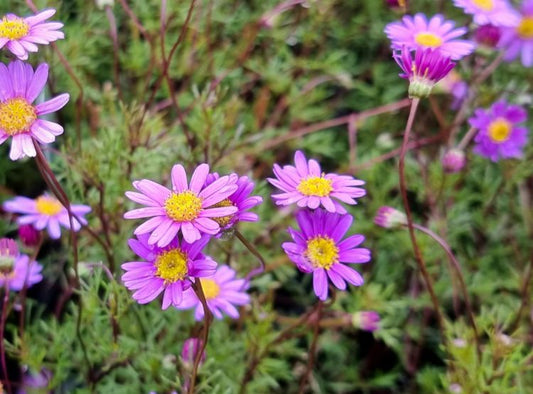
[
  {"x": 306, "y": 185},
  {"x": 188, "y": 207},
  {"x": 20, "y": 35},
  {"x": 165, "y": 270},
  {"x": 241, "y": 199},
  {"x": 426, "y": 69},
  {"x": 19, "y": 117},
  {"x": 437, "y": 34},
  {"x": 318, "y": 248},
  {"x": 518, "y": 39},
  {"x": 499, "y": 136},
  {"x": 494, "y": 12},
  {"x": 47, "y": 212},
  {"x": 222, "y": 292}
]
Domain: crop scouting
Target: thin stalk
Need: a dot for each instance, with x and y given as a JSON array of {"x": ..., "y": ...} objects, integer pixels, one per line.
[
  {"x": 457, "y": 267},
  {"x": 312, "y": 349},
  {"x": 403, "y": 190},
  {"x": 208, "y": 318},
  {"x": 255, "y": 252},
  {"x": 2, "y": 327}
]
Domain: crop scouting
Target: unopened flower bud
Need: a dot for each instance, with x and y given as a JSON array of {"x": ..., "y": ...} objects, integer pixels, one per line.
[
  {"x": 190, "y": 350},
  {"x": 453, "y": 161},
  {"x": 366, "y": 320},
  {"x": 8, "y": 253},
  {"x": 29, "y": 235},
  {"x": 389, "y": 217}
]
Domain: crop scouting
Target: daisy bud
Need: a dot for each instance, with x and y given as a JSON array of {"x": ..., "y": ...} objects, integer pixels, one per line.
[
  {"x": 8, "y": 253},
  {"x": 190, "y": 350},
  {"x": 388, "y": 217},
  {"x": 366, "y": 320},
  {"x": 453, "y": 161},
  {"x": 28, "y": 235}
]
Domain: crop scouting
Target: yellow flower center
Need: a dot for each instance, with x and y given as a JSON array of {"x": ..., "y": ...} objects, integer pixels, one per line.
[
  {"x": 172, "y": 265},
  {"x": 485, "y": 5},
  {"x": 322, "y": 252},
  {"x": 16, "y": 116},
  {"x": 13, "y": 29},
  {"x": 183, "y": 207},
  {"x": 315, "y": 186},
  {"x": 210, "y": 287},
  {"x": 499, "y": 130},
  {"x": 223, "y": 221},
  {"x": 525, "y": 28},
  {"x": 428, "y": 40},
  {"x": 48, "y": 206}
]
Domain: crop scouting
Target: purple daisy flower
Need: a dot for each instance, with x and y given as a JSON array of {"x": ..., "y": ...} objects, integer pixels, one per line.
[
  {"x": 426, "y": 69},
  {"x": 222, "y": 291},
  {"x": 188, "y": 208},
  {"x": 307, "y": 186},
  {"x": 498, "y": 135},
  {"x": 16, "y": 269},
  {"x": 518, "y": 40},
  {"x": 166, "y": 270},
  {"x": 19, "y": 87},
  {"x": 20, "y": 35},
  {"x": 47, "y": 211},
  {"x": 494, "y": 12},
  {"x": 437, "y": 34},
  {"x": 319, "y": 249},
  {"x": 240, "y": 198}
]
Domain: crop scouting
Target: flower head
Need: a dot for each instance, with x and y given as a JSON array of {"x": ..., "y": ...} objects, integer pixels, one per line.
[
  {"x": 426, "y": 69},
  {"x": 366, "y": 320},
  {"x": 495, "y": 12},
  {"x": 190, "y": 350},
  {"x": 389, "y": 217},
  {"x": 319, "y": 249},
  {"x": 437, "y": 34},
  {"x": 222, "y": 291},
  {"x": 518, "y": 39},
  {"x": 188, "y": 207},
  {"x": 306, "y": 185},
  {"x": 488, "y": 35},
  {"x": 9, "y": 251},
  {"x": 397, "y": 3},
  {"x": 166, "y": 270},
  {"x": 453, "y": 161},
  {"x": 22, "y": 272},
  {"x": 29, "y": 235},
  {"x": 241, "y": 199},
  {"x": 20, "y": 35},
  {"x": 19, "y": 118},
  {"x": 499, "y": 136},
  {"x": 47, "y": 211}
]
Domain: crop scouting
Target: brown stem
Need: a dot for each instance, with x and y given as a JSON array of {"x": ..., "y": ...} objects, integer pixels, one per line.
[
  {"x": 2, "y": 327},
  {"x": 403, "y": 190},
  {"x": 208, "y": 318},
  {"x": 255, "y": 252},
  {"x": 457, "y": 267},
  {"x": 312, "y": 349},
  {"x": 114, "y": 39}
]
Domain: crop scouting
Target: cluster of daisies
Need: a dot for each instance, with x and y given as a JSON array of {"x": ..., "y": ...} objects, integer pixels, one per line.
[
  {"x": 427, "y": 50},
  {"x": 171, "y": 243},
  {"x": 22, "y": 105},
  {"x": 320, "y": 246}
]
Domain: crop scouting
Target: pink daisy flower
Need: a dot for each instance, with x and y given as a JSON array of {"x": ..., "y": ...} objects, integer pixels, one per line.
[
  {"x": 165, "y": 270},
  {"x": 222, "y": 292},
  {"x": 20, "y": 35},
  {"x": 437, "y": 34},
  {"x": 494, "y": 12},
  {"x": 189, "y": 208},
  {"x": 241, "y": 199},
  {"x": 16, "y": 269},
  {"x": 518, "y": 40},
  {"x": 426, "y": 69},
  {"x": 499, "y": 136},
  {"x": 19, "y": 118},
  {"x": 306, "y": 185},
  {"x": 46, "y": 211},
  {"x": 319, "y": 249}
]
